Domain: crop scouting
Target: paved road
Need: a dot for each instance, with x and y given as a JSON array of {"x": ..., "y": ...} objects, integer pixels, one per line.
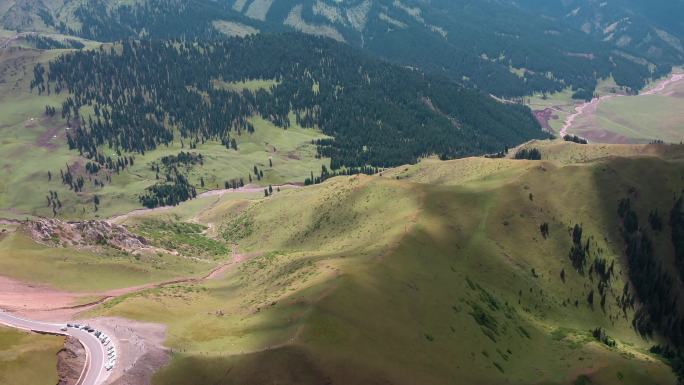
[{"x": 95, "y": 352}]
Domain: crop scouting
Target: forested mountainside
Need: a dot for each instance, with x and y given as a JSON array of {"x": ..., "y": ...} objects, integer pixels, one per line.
[
  {"x": 653, "y": 28},
  {"x": 143, "y": 93},
  {"x": 502, "y": 47}
]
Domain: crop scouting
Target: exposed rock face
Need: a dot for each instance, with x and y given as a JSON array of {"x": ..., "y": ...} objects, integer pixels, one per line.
[
  {"x": 70, "y": 361},
  {"x": 85, "y": 234}
]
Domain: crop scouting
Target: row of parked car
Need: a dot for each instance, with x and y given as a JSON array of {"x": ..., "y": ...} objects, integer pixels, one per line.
[{"x": 104, "y": 339}]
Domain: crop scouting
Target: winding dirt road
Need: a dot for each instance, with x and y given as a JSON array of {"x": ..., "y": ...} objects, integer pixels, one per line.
[
  {"x": 46, "y": 303},
  {"x": 207, "y": 194}
]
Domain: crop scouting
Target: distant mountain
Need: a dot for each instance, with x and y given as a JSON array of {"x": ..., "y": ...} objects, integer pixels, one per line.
[
  {"x": 505, "y": 47},
  {"x": 652, "y": 29}
]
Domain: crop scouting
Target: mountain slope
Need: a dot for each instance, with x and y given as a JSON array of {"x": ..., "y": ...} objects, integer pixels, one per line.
[
  {"x": 379, "y": 114},
  {"x": 436, "y": 273},
  {"x": 654, "y": 28},
  {"x": 502, "y": 47}
]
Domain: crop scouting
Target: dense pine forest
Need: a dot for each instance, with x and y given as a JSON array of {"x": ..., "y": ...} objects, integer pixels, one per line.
[
  {"x": 500, "y": 47},
  {"x": 488, "y": 38},
  {"x": 160, "y": 19},
  {"x": 656, "y": 285},
  {"x": 148, "y": 93}
]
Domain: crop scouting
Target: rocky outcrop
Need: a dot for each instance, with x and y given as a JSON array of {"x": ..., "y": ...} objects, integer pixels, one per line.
[{"x": 54, "y": 232}]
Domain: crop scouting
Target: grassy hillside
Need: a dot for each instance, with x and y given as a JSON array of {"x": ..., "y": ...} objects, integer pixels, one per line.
[
  {"x": 28, "y": 359},
  {"x": 435, "y": 273},
  {"x": 73, "y": 269},
  {"x": 33, "y": 144}
]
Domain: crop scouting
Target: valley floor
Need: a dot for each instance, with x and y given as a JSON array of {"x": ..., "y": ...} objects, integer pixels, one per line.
[{"x": 613, "y": 117}]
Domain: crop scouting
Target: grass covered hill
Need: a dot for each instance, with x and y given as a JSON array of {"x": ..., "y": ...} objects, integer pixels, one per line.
[
  {"x": 491, "y": 271},
  {"x": 136, "y": 96}
]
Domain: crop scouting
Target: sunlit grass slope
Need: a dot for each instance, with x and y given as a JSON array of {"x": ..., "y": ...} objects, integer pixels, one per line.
[
  {"x": 28, "y": 359},
  {"x": 185, "y": 253},
  {"x": 429, "y": 274}
]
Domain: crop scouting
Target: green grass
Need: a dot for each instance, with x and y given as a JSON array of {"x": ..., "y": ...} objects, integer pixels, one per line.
[
  {"x": 404, "y": 278},
  {"x": 230, "y": 28},
  {"x": 409, "y": 280},
  {"x": 246, "y": 85},
  {"x": 639, "y": 119},
  {"x": 28, "y": 359},
  {"x": 187, "y": 238},
  {"x": 633, "y": 119},
  {"x": 80, "y": 270},
  {"x": 32, "y": 145},
  {"x": 562, "y": 102}
]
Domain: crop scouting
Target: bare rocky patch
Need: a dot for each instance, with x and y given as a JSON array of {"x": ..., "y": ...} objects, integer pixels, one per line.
[{"x": 87, "y": 234}]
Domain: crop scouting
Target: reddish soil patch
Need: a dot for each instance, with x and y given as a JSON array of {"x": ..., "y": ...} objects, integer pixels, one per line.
[
  {"x": 41, "y": 302},
  {"x": 27, "y": 298},
  {"x": 49, "y": 139},
  {"x": 543, "y": 117}
]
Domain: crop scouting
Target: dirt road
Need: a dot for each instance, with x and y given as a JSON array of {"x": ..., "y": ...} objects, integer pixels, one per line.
[
  {"x": 139, "y": 346},
  {"x": 212, "y": 193}
]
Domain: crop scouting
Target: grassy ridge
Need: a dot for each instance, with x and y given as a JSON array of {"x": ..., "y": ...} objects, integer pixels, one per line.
[{"x": 428, "y": 274}]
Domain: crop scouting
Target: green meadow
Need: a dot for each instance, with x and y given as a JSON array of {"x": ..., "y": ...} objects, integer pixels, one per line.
[
  {"x": 71, "y": 269},
  {"x": 33, "y": 144},
  {"x": 27, "y": 358},
  {"x": 432, "y": 273}
]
